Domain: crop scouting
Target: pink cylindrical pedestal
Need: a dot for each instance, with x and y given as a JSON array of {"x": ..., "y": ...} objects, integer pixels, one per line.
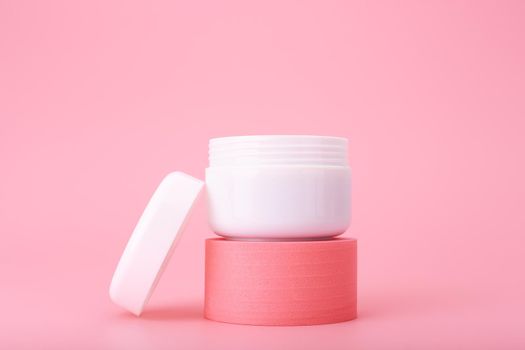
[{"x": 281, "y": 283}]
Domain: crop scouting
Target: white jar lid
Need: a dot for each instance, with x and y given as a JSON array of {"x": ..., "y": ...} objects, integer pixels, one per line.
[{"x": 153, "y": 241}]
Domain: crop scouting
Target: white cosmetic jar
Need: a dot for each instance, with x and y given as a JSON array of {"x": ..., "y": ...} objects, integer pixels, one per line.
[{"x": 278, "y": 187}]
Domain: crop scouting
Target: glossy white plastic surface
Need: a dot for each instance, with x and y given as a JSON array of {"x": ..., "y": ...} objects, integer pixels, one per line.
[
  {"x": 278, "y": 187},
  {"x": 153, "y": 240}
]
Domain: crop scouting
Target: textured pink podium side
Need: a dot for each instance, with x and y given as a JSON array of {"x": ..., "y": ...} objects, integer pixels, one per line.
[{"x": 281, "y": 283}]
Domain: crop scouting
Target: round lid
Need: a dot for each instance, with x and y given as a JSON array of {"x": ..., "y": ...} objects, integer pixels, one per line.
[{"x": 153, "y": 240}]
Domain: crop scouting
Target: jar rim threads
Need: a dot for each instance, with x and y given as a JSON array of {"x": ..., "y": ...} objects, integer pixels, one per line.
[{"x": 292, "y": 150}]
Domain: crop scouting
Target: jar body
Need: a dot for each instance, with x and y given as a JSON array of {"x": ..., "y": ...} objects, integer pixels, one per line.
[{"x": 295, "y": 197}]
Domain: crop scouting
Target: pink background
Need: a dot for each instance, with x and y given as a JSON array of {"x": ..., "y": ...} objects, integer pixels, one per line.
[{"x": 100, "y": 99}]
